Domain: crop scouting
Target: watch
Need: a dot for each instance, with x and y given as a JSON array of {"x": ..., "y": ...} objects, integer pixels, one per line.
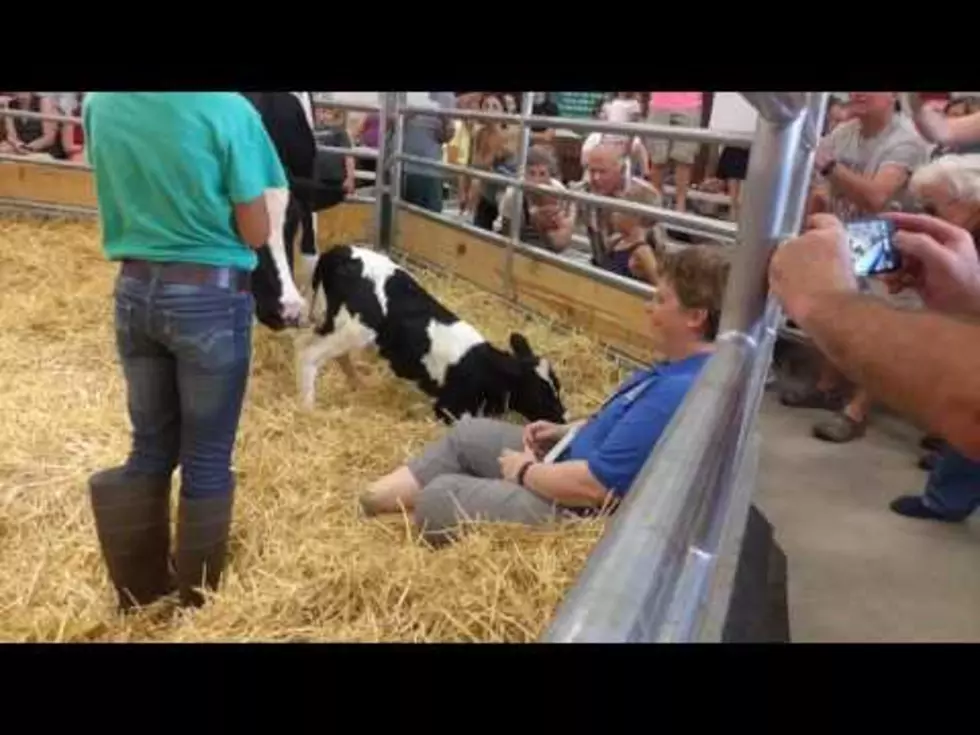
[
  {"x": 523, "y": 471},
  {"x": 829, "y": 168}
]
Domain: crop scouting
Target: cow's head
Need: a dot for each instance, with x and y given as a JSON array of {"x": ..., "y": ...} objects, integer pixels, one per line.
[
  {"x": 535, "y": 392},
  {"x": 278, "y": 303}
]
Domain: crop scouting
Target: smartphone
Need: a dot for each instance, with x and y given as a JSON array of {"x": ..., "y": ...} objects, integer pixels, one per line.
[{"x": 872, "y": 246}]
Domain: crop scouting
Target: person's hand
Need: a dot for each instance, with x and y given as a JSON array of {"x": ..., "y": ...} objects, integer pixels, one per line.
[
  {"x": 939, "y": 261},
  {"x": 541, "y": 436},
  {"x": 822, "y": 158},
  {"x": 545, "y": 216},
  {"x": 816, "y": 263},
  {"x": 349, "y": 184},
  {"x": 511, "y": 463}
]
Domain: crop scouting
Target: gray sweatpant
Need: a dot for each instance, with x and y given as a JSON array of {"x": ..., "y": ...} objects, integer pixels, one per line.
[{"x": 461, "y": 481}]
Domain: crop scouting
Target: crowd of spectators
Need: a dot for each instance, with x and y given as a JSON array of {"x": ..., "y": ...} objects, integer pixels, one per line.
[{"x": 39, "y": 137}]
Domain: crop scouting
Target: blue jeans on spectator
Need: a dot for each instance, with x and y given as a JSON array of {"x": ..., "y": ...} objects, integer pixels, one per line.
[
  {"x": 423, "y": 191},
  {"x": 953, "y": 488},
  {"x": 185, "y": 351}
]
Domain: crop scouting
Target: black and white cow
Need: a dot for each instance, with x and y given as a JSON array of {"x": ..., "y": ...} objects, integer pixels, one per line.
[
  {"x": 369, "y": 300},
  {"x": 288, "y": 118}
]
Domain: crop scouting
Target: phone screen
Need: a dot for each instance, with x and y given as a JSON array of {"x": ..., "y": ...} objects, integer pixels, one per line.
[{"x": 872, "y": 247}]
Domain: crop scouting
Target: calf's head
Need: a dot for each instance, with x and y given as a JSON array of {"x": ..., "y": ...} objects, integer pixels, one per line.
[{"x": 535, "y": 392}]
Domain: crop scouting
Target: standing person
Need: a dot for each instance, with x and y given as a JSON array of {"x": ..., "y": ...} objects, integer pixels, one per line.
[
  {"x": 731, "y": 112},
  {"x": 864, "y": 167},
  {"x": 181, "y": 180},
  {"x": 677, "y": 109},
  {"x": 424, "y": 138}
]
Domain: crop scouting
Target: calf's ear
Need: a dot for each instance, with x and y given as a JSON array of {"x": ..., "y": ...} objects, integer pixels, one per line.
[
  {"x": 521, "y": 347},
  {"x": 506, "y": 365}
]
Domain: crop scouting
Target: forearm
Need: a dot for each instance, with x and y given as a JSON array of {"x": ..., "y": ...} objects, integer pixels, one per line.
[
  {"x": 561, "y": 237},
  {"x": 859, "y": 189},
  {"x": 924, "y": 365},
  {"x": 566, "y": 483}
]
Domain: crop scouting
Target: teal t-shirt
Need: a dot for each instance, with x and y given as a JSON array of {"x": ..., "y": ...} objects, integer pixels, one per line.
[{"x": 169, "y": 167}]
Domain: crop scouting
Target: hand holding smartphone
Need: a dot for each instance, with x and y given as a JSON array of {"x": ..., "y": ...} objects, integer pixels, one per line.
[{"x": 872, "y": 246}]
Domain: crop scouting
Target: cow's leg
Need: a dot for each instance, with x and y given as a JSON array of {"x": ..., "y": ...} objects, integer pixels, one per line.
[
  {"x": 307, "y": 246},
  {"x": 312, "y": 350},
  {"x": 291, "y": 302}
]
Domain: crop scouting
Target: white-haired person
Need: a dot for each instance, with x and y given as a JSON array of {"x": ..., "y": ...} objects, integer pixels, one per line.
[{"x": 947, "y": 188}]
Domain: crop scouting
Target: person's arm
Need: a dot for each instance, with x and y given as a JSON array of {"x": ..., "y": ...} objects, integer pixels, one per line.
[
  {"x": 882, "y": 349},
  {"x": 49, "y": 128},
  {"x": 11, "y": 129},
  {"x": 252, "y": 166},
  {"x": 571, "y": 484},
  {"x": 935, "y": 127},
  {"x": 924, "y": 364},
  {"x": 643, "y": 264},
  {"x": 871, "y": 194},
  {"x": 560, "y": 237}
]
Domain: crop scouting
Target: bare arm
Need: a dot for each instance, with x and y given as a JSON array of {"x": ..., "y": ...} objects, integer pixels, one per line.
[
  {"x": 12, "y": 137},
  {"x": 881, "y": 348},
  {"x": 561, "y": 236},
  {"x": 252, "y": 222},
  {"x": 49, "y": 129},
  {"x": 870, "y": 194},
  {"x": 643, "y": 264},
  {"x": 937, "y": 128},
  {"x": 567, "y": 483}
]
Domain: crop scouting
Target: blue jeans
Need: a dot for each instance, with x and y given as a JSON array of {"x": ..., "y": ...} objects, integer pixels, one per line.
[
  {"x": 423, "y": 191},
  {"x": 185, "y": 352},
  {"x": 953, "y": 488}
]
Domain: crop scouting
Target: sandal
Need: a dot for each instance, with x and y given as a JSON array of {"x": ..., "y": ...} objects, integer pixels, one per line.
[{"x": 840, "y": 429}]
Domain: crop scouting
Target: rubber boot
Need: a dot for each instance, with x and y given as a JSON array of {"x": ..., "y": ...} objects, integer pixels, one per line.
[
  {"x": 202, "y": 544},
  {"x": 132, "y": 520}
]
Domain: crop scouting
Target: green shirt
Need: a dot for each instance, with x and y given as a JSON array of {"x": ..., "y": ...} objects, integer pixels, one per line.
[{"x": 169, "y": 167}]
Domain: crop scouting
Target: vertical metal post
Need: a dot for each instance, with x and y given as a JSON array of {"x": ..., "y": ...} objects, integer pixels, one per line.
[
  {"x": 797, "y": 196},
  {"x": 768, "y": 182},
  {"x": 517, "y": 208},
  {"x": 382, "y": 192},
  {"x": 394, "y": 163}
]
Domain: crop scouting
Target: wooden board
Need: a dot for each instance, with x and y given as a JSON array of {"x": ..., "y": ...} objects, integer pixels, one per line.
[
  {"x": 473, "y": 258},
  {"x": 612, "y": 316},
  {"x": 47, "y": 184},
  {"x": 346, "y": 223}
]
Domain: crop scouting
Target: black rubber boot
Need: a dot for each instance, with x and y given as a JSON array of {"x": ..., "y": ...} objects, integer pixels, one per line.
[
  {"x": 132, "y": 520},
  {"x": 202, "y": 544}
]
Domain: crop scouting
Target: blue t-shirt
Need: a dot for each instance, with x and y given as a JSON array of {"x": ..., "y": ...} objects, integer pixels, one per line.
[
  {"x": 169, "y": 168},
  {"x": 618, "y": 439}
]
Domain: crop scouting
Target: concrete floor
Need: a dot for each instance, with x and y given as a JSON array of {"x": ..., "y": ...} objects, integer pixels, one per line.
[{"x": 857, "y": 571}]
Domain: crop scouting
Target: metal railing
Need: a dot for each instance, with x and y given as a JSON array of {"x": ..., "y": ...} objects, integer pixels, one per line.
[{"x": 653, "y": 576}]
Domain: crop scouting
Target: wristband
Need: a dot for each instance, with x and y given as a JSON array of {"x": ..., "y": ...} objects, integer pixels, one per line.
[{"x": 523, "y": 471}]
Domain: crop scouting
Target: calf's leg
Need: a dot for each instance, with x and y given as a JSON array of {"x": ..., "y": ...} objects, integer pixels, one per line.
[{"x": 312, "y": 350}]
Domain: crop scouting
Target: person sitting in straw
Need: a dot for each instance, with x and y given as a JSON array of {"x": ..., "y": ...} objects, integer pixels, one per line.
[{"x": 492, "y": 470}]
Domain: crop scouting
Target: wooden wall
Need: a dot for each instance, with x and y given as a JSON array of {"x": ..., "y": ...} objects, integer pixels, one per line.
[{"x": 612, "y": 316}]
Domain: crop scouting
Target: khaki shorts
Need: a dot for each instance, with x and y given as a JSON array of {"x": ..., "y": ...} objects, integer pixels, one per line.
[{"x": 662, "y": 149}]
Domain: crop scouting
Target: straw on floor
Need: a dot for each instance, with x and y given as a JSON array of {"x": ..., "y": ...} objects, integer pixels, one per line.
[{"x": 304, "y": 566}]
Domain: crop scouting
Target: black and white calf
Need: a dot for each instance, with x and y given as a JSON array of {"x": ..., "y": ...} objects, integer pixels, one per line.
[
  {"x": 288, "y": 118},
  {"x": 369, "y": 300}
]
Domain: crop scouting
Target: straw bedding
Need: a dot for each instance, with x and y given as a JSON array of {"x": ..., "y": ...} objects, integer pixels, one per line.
[{"x": 304, "y": 566}]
